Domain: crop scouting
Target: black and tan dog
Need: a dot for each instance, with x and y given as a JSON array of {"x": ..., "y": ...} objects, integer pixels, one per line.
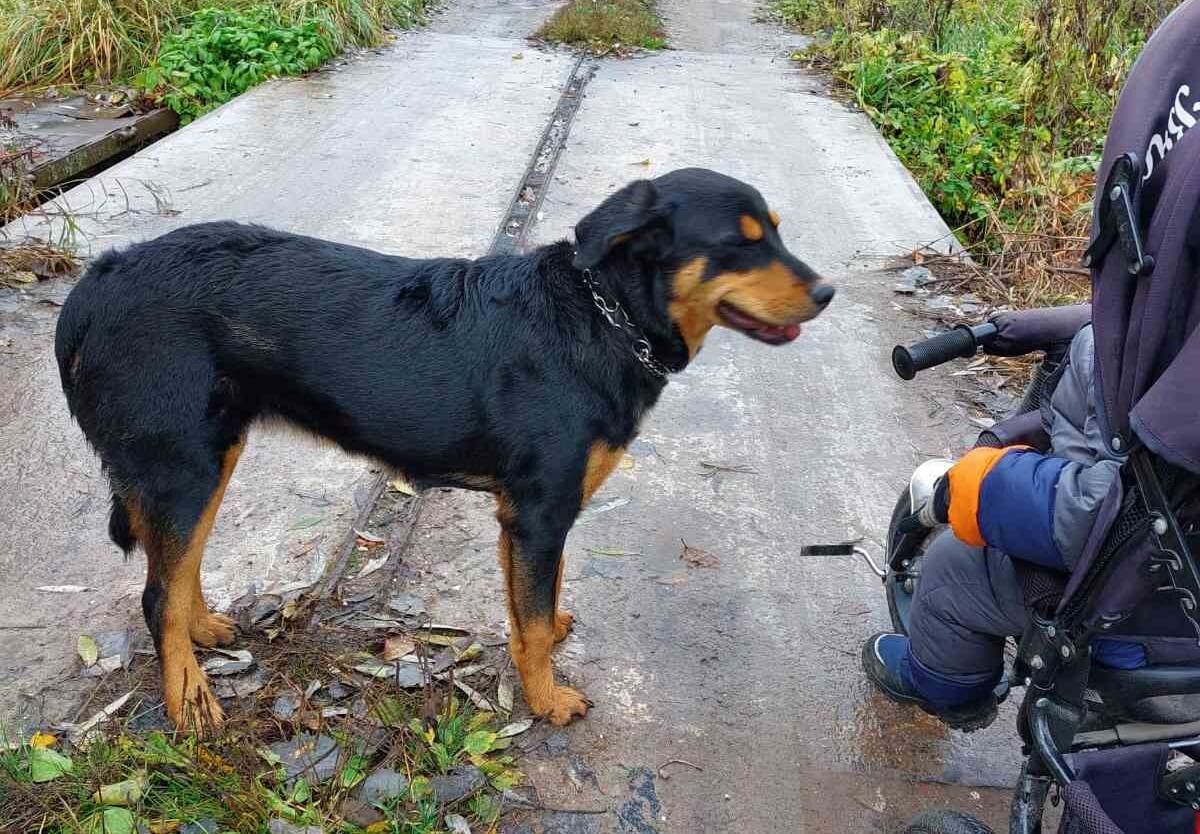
[{"x": 525, "y": 376}]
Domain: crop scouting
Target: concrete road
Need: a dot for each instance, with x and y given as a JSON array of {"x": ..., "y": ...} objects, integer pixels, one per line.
[{"x": 748, "y": 670}]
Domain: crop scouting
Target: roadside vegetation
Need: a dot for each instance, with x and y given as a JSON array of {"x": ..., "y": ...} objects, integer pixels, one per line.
[
  {"x": 998, "y": 107},
  {"x": 340, "y": 733},
  {"x": 606, "y": 25},
  {"x": 96, "y": 42},
  {"x": 187, "y": 55}
]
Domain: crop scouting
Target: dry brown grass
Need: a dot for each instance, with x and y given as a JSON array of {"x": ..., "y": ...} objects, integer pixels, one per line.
[{"x": 28, "y": 263}]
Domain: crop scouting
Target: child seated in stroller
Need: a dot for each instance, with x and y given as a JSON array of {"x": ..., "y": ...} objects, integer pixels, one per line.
[{"x": 1021, "y": 505}]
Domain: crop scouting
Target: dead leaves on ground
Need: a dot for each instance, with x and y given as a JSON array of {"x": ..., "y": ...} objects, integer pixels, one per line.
[
  {"x": 697, "y": 558},
  {"x": 29, "y": 263}
]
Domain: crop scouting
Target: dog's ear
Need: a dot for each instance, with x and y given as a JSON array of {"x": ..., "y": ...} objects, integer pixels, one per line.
[{"x": 621, "y": 217}]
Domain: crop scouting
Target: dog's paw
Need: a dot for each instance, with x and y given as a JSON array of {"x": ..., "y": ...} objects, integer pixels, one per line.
[
  {"x": 209, "y": 629},
  {"x": 193, "y": 708},
  {"x": 564, "y": 621},
  {"x": 563, "y": 706}
]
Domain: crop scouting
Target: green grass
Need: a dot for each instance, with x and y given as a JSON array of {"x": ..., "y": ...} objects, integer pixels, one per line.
[
  {"x": 83, "y": 42},
  {"x": 999, "y": 108},
  {"x": 122, "y": 780},
  {"x": 606, "y": 25}
]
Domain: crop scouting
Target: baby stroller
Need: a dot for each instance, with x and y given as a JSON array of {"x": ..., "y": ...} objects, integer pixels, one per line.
[{"x": 1121, "y": 747}]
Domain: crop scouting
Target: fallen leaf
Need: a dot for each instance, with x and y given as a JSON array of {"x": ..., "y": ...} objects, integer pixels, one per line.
[
  {"x": 515, "y": 728},
  {"x": 627, "y": 462},
  {"x": 441, "y": 635},
  {"x": 645, "y": 163},
  {"x": 479, "y": 742},
  {"x": 46, "y": 765},
  {"x": 63, "y": 589},
  {"x": 376, "y": 668},
  {"x": 697, "y": 558},
  {"x": 127, "y": 792},
  {"x": 228, "y": 662},
  {"x": 104, "y": 666},
  {"x": 354, "y": 771},
  {"x": 520, "y": 56},
  {"x": 471, "y": 652},
  {"x": 372, "y": 566},
  {"x": 164, "y": 826},
  {"x": 676, "y": 578},
  {"x": 401, "y": 486},
  {"x": 42, "y": 740},
  {"x": 80, "y": 732},
  {"x": 456, "y": 824},
  {"x": 369, "y": 538},
  {"x": 110, "y": 821},
  {"x": 89, "y": 652},
  {"x": 504, "y": 694},
  {"x": 398, "y": 646},
  {"x": 475, "y": 697}
]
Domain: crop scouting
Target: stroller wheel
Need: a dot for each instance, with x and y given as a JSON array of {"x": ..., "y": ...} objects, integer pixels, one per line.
[{"x": 946, "y": 822}]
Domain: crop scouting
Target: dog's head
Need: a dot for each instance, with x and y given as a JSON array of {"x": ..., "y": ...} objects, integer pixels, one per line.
[{"x": 715, "y": 243}]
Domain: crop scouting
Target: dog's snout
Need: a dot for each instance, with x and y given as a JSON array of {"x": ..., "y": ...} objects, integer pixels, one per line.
[{"x": 822, "y": 294}]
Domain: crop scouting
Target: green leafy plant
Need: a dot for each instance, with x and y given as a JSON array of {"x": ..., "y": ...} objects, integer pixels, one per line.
[{"x": 221, "y": 53}]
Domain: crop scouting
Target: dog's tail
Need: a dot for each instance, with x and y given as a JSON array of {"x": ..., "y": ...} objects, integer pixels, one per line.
[{"x": 120, "y": 529}]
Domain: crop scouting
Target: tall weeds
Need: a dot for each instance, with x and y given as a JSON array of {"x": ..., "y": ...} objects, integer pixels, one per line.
[
  {"x": 74, "y": 42},
  {"x": 998, "y": 107}
]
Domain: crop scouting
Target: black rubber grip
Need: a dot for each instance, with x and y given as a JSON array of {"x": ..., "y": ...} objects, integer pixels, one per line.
[
  {"x": 828, "y": 550},
  {"x": 959, "y": 343}
]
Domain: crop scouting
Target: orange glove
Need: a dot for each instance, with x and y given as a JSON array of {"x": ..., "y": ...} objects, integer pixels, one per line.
[{"x": 966, "y": 482}]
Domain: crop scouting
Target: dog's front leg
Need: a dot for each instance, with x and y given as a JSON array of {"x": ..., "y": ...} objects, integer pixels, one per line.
[{"x": 530, "y": 554}]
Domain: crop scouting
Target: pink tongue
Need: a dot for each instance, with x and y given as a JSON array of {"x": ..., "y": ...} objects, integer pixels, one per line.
[{"x": 786, "y": 331}]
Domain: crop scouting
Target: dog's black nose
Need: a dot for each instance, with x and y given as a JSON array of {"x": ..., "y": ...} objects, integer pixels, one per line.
[{"x": 822, "y": 294}]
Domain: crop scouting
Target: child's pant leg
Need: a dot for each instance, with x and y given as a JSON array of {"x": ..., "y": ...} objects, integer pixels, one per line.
[{"x": 968, "y": 600}]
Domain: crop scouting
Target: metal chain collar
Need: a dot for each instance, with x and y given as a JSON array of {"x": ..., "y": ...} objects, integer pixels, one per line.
[{"x": 611, "y": 311}]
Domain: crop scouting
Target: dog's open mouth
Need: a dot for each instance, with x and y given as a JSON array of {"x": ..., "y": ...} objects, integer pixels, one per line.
[{"x": 772, "y": 334}]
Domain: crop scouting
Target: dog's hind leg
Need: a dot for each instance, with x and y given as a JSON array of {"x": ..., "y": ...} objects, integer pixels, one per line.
[
  {"x": 174, "y": 536},
  {"x": 206, "y": 627}
]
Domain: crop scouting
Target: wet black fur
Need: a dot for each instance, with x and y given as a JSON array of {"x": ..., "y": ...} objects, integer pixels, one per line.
[{"x": 500, "y": 369}]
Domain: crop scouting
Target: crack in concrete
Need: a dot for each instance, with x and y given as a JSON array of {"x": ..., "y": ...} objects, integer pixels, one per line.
[{"x": 513, "y": 233}]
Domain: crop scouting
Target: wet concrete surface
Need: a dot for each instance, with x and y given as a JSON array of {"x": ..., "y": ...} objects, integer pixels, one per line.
[
  {"x": 393, "y": 150},
  {"x": 726, "y": 26},
  {"x": 494, "y": 18}
]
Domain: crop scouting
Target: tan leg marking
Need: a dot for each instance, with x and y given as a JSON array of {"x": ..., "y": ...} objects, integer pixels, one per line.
[
  {"x": 191, "y": 705},
  {"x": 208, "y": 628},
  {"x": 533, "y": 637}
]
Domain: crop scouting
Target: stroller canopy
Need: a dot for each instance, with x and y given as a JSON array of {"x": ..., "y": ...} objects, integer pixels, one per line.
[{"x": 1147, "y": 342}]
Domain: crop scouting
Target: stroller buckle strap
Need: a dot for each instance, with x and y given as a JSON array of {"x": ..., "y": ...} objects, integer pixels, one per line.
[
  {"x": 1119, "y": 222},
  {"x": 1181, "y": 787}
]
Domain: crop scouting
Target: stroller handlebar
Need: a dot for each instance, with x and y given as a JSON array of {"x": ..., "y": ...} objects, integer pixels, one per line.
[{"x": 962, "y": 342}]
